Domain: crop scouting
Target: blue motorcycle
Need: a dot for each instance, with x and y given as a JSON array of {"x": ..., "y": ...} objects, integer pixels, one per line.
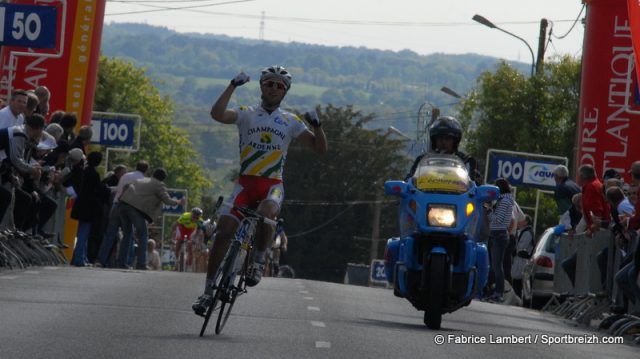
[{"x": 438, "y": 262}]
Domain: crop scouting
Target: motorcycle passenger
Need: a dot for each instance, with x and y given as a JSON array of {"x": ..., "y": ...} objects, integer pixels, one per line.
[
  {"x": 445, "y": 134},
  {"x": 265, "y": 132}
]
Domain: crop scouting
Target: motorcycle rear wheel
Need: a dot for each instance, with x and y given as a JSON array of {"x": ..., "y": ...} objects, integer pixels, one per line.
[{"x": 437, "y": 275}]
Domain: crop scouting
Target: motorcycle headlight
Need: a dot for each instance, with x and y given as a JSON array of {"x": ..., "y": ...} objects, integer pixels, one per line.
[{"x": 441, "y": 215}]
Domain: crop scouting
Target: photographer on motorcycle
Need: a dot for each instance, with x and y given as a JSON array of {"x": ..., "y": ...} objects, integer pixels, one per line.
[{"x": 445, "y": 134}]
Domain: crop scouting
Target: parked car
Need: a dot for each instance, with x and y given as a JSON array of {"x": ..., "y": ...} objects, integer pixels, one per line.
[{"x": 537, "y": 277}]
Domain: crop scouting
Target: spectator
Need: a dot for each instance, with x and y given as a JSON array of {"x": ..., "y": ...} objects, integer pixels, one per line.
[
  {"x": 44, "y": 95},
  {"x": 517, "y": 220},
  {"x": 83, "y": 138},
  {"x": 32, "y": 103},
  {"x": 524, "y": 250},
  {"x": 113, "y": 223},
  {"x": 17, "y": 143},
  {"x": 500, "y": 218},
  {"x": 56, "y": 116},
  {"x": 153, "y": 257},
  {"x": 113, "y": 178},
  {"x": 593, "y": 203},
  {"x": 564, "y": 191},
  {"x": 634, "y": 222},
  {"x": 87, "y": 208},
  {"x": 12, "y": 115},
  {"x": 141, "y": 202},
  {"x": 72, "y": 175},
  {"x": 68, "y": 121},
  {"x": 54, "y": 130}
]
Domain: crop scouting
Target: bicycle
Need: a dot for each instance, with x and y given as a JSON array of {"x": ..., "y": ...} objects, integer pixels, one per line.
[{"x": 229, "y": 281}]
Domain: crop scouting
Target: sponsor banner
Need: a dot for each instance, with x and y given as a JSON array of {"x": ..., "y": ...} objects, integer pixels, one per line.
[
  {"x": 633, "y": 9},
  {"x": 69, "y": 69},
  {"x": 539, "y": 174},
  {"x": 609, "y": 115}
]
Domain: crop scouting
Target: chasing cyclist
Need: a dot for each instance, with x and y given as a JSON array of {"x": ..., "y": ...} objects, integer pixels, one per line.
[
  {"x": 265, "y": 133},
  {"x": 182, "y": 229}
]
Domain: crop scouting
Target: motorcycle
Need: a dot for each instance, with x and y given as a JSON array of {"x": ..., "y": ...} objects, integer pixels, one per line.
[{"x": 438, "y": 263}]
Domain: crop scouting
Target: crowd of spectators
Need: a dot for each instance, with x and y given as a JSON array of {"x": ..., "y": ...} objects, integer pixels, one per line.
[{"x": 46, "y": 167}]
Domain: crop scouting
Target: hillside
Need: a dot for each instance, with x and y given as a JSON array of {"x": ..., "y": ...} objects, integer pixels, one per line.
[{"x": 193, "y": 69}]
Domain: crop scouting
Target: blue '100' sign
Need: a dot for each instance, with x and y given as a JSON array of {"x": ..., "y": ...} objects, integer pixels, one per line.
[
  {"x": 116, "y": 132},
  {"x": 30, "y": 26}
]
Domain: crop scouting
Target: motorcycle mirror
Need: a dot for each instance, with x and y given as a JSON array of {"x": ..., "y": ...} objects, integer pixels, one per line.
[
  {"x": 487, "y": 193},
  {"x": 395, "y": 188}
]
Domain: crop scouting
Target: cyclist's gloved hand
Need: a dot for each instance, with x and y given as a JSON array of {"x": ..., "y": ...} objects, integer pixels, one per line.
[
  {"x": 312, "y": 118},
  {"x": 240, "y": 79}
]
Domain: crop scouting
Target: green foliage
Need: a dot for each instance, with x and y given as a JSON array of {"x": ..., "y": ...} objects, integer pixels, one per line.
[
  {"x": 509, "y": 111},
  {"x": 124, "y": 88},
  {"x": 323, "y": 223}
]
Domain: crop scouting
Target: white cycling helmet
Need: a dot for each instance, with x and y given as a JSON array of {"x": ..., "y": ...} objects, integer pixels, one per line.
[{"x": 277, "y": 72}]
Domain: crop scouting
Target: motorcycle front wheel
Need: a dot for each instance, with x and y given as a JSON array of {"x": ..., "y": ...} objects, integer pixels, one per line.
[{"x": 437, "y": 286}]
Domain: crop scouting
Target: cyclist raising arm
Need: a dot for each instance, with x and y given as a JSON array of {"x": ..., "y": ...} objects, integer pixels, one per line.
[{"x": 265, "y": 134}]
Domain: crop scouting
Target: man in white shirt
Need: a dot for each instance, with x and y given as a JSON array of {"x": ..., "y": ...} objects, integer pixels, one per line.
[{"x": 12, "y": 115}]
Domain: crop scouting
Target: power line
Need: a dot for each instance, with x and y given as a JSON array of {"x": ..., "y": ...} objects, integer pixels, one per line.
[
  {"x": 163, "y": 8},
  {"x": 570, "y": 29}
]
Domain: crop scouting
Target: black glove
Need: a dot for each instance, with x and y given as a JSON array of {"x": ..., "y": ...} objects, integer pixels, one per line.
[
  {"x": 240, "y": 79},
  {"x": 312, "y": 118}
]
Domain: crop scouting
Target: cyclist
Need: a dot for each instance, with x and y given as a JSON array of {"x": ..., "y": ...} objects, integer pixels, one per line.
[
  {"x": 183, "y": 228},
  {"x": 278, "y": 247},
  {"x": 265, "y": 133},
  {"x": 445, "y": 134}
]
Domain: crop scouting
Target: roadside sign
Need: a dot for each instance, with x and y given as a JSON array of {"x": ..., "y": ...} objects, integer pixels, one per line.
[
  {"x": 31, "y": 26},
  {"x": 175, "y": 194},
  {"x": 377, "y": 275},
  {"x": 523, "y": 169},
  {"x": 113, "y": 132}
]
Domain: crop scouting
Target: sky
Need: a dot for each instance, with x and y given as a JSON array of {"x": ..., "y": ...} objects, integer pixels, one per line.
[{"x": 423, "y": 26}]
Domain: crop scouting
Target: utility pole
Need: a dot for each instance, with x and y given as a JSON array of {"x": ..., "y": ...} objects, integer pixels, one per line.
[
  {"x": 375, "y": 231},
  {"x": 541, "y": 43}
]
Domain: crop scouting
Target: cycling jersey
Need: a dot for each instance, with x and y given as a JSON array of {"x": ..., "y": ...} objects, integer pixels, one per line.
[
  {"x": 264, "y": 140},
  {"x": 186, "y": 226}
]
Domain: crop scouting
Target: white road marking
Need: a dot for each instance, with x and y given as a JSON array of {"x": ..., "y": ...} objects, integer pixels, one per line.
[
  {"x": 8, "y": 277},
  {"x": 308, "y": 298},
  {"x": 51, "y": 268},
  {"x": 323, "y": 345},
  {"x": 317, "y": 324},
  {"x": 313, "y": 309},
  {"x": 304, "y": 292}
]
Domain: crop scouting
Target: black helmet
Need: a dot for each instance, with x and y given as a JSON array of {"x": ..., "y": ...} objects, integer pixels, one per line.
[{"x": 445, "y": 126}]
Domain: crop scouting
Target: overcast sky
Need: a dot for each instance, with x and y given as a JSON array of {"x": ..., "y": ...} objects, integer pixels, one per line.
[{"x": 423, "y": 26}]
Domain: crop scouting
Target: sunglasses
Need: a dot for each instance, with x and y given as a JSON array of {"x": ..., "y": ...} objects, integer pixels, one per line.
[{"x": 274, "y": 84}]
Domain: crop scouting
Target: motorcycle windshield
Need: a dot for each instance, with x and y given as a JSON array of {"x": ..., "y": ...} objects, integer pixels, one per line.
[{"x": 442, "y": 173}]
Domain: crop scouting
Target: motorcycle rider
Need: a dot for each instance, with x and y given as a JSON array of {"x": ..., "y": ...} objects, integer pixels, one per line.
[{"x": 445, "y": 134}]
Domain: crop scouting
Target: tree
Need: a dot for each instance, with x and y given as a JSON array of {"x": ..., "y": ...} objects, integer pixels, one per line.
[
  {"x": 123, "y": 88},
  {"x": 330, "y": 198},
  {"x": 512, "y": 112}
]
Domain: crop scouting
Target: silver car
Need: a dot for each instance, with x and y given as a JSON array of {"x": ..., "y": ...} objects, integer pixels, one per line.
[{"x": 537, "y": 277}]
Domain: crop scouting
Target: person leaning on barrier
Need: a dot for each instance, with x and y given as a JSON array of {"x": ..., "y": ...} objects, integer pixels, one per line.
[
  {"x": 593, "y": 202},
  {"x": 141, "y": 202},
  {"x": 564, "y": 191},
  {"x": 16, "y": 145}
]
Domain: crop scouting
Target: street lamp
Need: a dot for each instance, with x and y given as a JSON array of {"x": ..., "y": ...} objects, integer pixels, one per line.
[
  {"x": 451, "y": 92},
  {"x": 487, "y": 23}
]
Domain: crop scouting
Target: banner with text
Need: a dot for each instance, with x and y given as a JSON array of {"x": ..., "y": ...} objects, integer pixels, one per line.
[
  {"x": 609, "y": 115},
  {"x": 69, "y": 68},
  {"x": 523, "y": 169}
]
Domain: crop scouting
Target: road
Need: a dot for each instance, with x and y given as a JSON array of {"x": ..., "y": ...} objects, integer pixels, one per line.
[{"x": 63, "y": 312}]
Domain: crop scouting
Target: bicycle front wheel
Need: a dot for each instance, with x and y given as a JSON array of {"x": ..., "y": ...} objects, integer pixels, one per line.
[
  {"x": 225, "y": 307},
  {"x": 222, "y": 282}
]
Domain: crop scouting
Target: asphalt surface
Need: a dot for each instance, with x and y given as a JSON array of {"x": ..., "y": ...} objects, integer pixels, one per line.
[{"x": 63, "y": 312}]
